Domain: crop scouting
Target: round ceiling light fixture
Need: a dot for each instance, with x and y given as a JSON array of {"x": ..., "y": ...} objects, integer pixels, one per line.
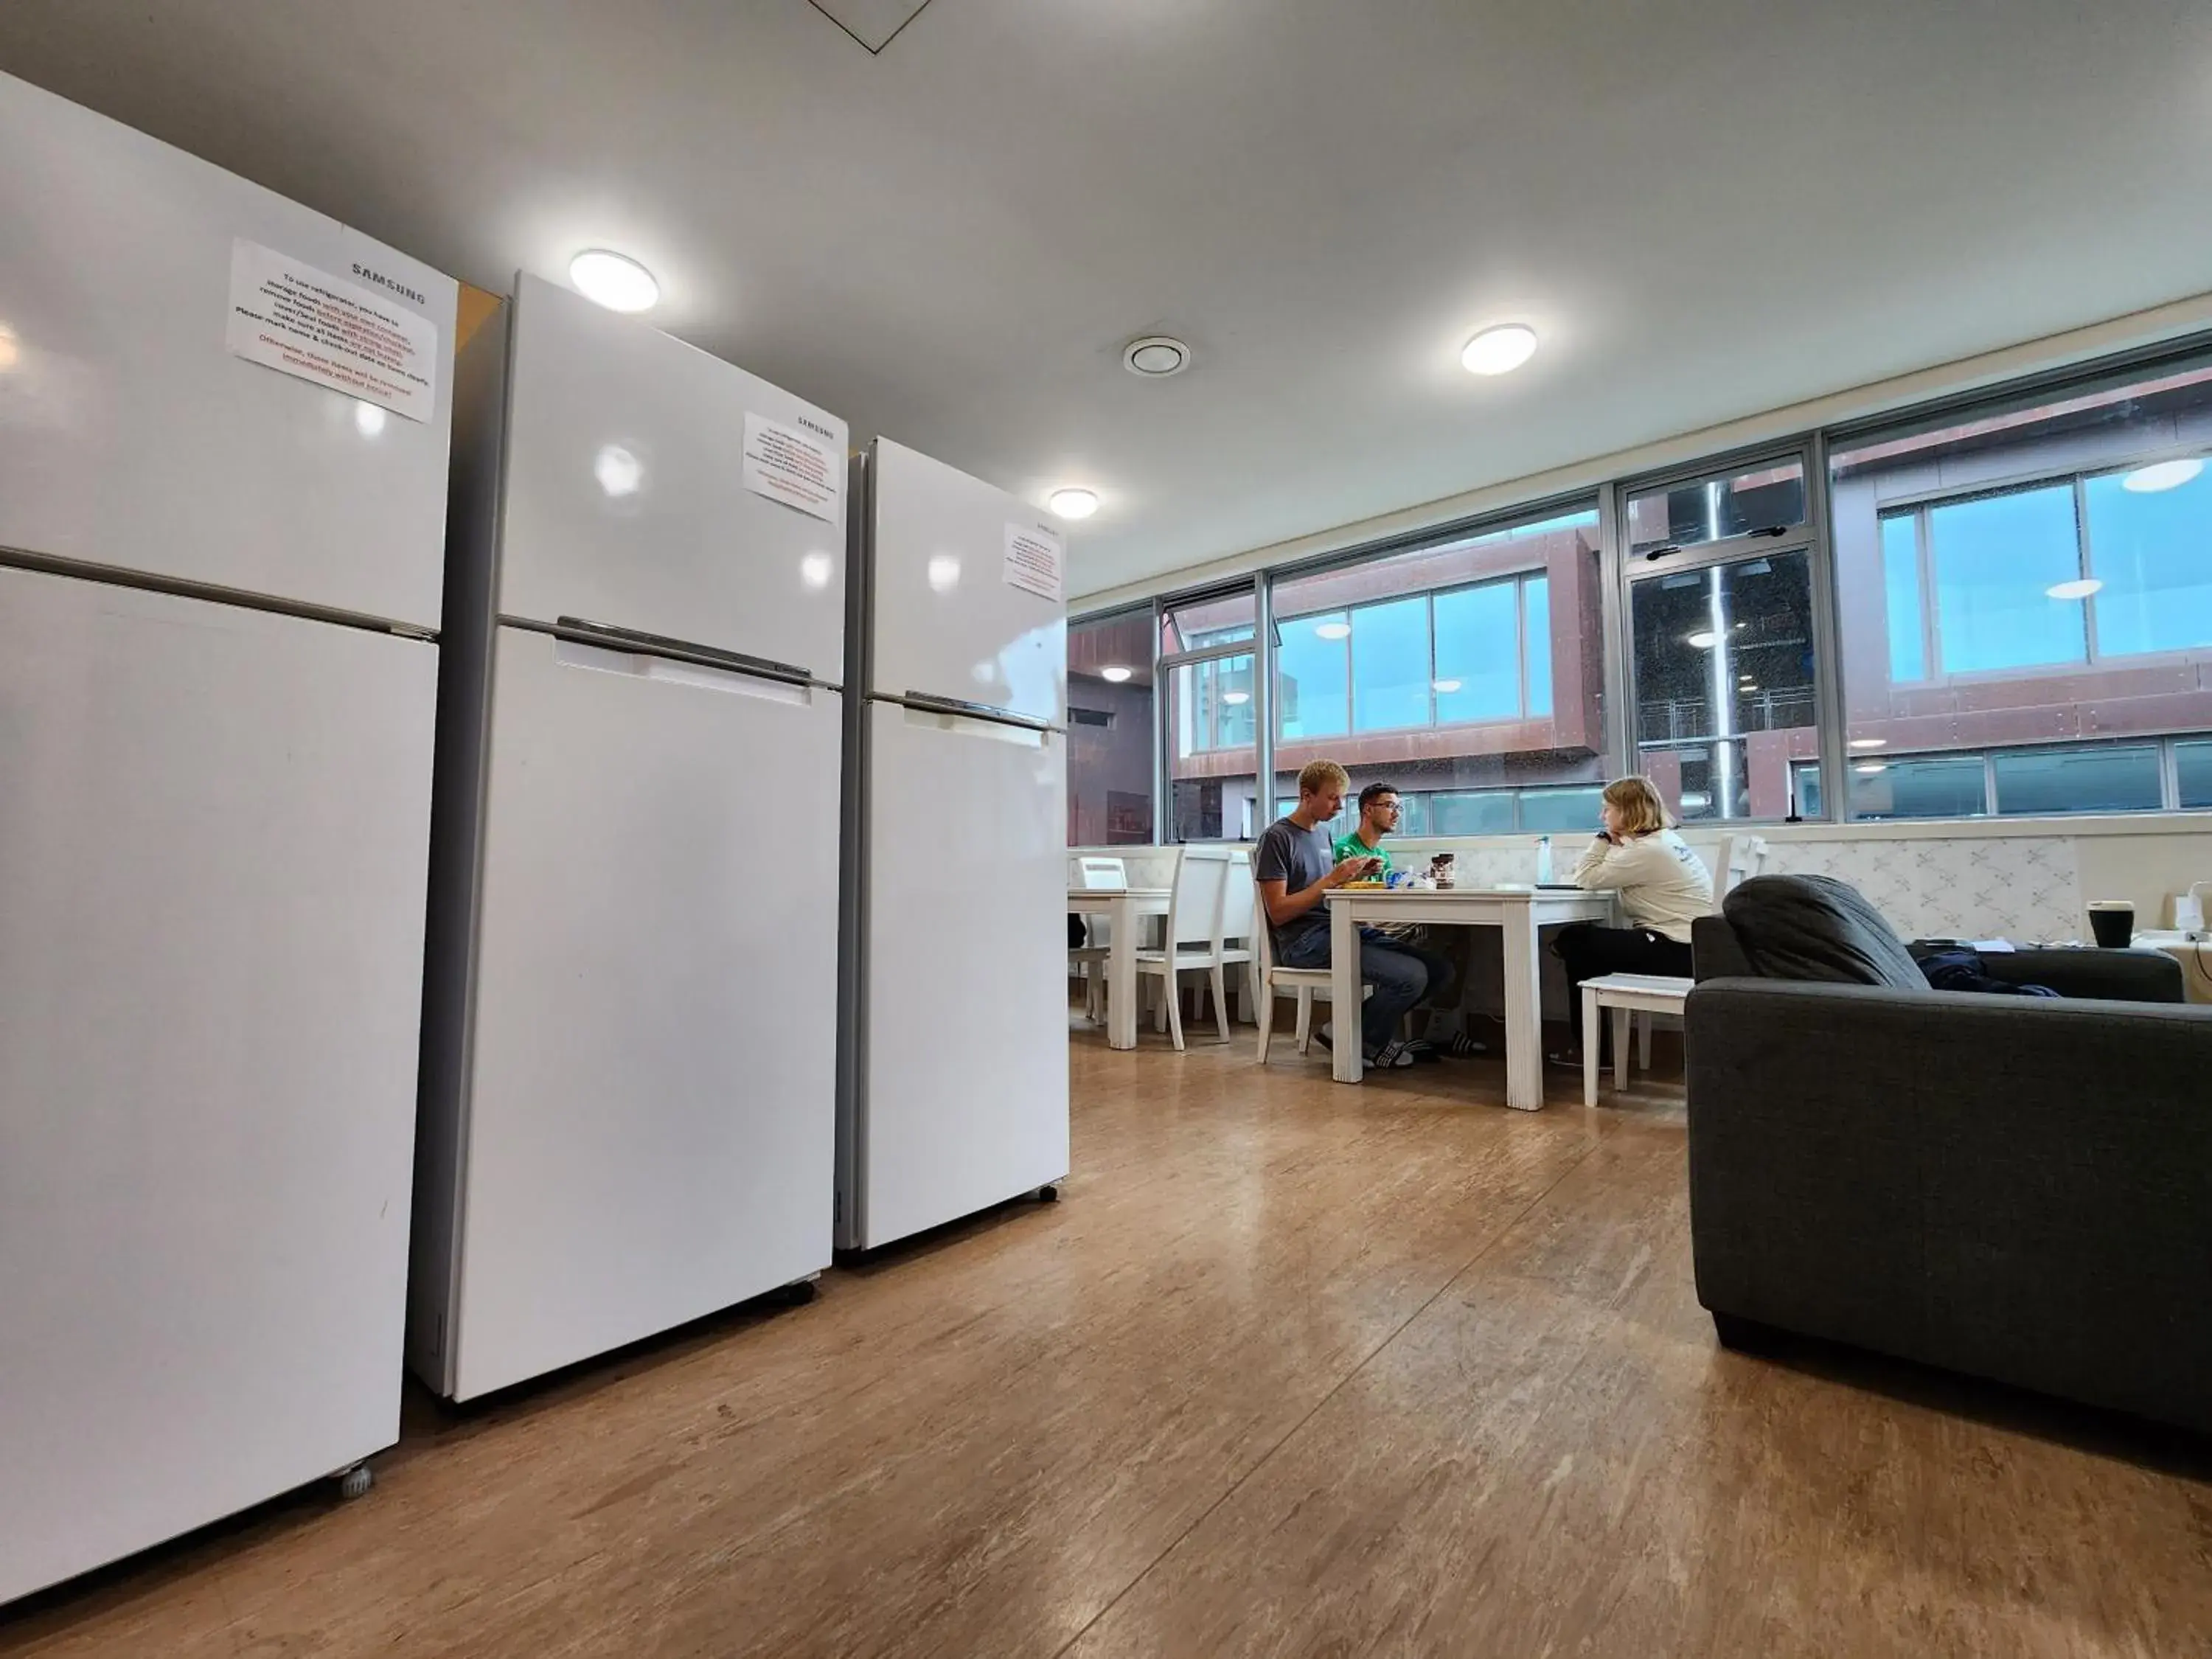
[
  {"x": 1705, "y": 640},
  {"x": 614, "y": 280},
  {"x": 1073, "y": 503},
  {"x": 1499, "y": 350},
  {"x": 1870, "y": 743},
  {"x": 1235, "y": 699},
  {"x": 1155, "y": 357},
  {"x": 1332, "y": 630},
  {"x": 2074, "y": 590},
  {"x": 1115, "y": 674},
  {"x": 1871, "y": 768},
  {"x": 2162, "y": 475},
  {"x": 1444, "y": 688}
]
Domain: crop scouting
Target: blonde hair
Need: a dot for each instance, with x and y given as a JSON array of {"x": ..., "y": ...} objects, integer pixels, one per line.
[
  {"x": 1316, "y": 775},
  {"x": 1641, "y": 810}
]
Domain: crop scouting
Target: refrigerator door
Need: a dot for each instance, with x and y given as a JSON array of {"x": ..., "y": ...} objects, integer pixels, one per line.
[
  {"x": 131, "y": 437},
  {"x": 650, "y": 1124},
  {"x": 626, "y": 497},
  {"x": 963, "y": 1095},
  {"x": 947, "y": 622},
  {"x": 212, "y": 838}
]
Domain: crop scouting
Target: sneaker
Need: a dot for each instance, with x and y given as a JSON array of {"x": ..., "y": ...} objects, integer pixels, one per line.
[{"x": 1391, "y": 1056}]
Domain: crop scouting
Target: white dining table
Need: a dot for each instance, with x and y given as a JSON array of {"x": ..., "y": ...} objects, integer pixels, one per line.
[
  {"x": 1520, "y": 915},
  {"x": 1122, "y": 908}
]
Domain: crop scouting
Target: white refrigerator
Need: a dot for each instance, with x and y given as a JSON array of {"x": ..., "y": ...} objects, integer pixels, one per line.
[
  {"x": 629, "y": 1072},
  {"x": 219, "y": 589},
  {"x": 953, "y": 1096}
]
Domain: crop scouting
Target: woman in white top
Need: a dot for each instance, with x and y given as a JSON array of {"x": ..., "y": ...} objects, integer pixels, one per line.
[{"x": 1663, "y": 888}]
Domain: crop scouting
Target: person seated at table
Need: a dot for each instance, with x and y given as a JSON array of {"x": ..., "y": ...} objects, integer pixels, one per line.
[
  {"x": 1296, "y": 869},
  {"x": 1663, "y": 886},
  {"x": 1445, "y": 1031}
]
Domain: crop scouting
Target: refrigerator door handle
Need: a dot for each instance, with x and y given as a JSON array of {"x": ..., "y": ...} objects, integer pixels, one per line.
[
  {"x": 577, "y": 631},
  {"x": 929, "y": 702}
]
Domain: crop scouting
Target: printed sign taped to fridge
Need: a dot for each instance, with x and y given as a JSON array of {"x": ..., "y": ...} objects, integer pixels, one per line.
[
  {"x": 1035, "y": 556},
  {"x": 307, "y": 323},
  {"x": 794, "y": 467}
]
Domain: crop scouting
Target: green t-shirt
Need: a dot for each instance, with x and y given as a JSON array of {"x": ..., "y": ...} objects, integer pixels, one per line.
[{"x": 1351, "y": 846}]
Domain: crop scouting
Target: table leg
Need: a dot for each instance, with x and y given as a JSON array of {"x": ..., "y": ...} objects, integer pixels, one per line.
[
  {"x": 1121, "y": 979},
  {"x": 1524, "y": 1011},
  {"x": 1345, "y": 1009},
  {"x": 1622, "y": 1020}
]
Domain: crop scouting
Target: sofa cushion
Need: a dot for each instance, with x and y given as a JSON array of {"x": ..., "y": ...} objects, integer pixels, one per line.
[{"x": 1815, "y": 927}]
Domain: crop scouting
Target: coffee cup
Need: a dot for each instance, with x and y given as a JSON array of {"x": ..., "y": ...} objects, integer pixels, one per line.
[
  {"x": 2113, "y": 922},
  {"x": 1441, "y": 869}
]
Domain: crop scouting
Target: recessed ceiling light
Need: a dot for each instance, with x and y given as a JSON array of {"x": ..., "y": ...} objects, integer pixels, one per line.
[
  {"x": 614, "y": 280},
  {"x": 1155, "y": 357},
  {"x": 1332, "y": 630},
  {"x": 1499, "y": 350},
  {"x": 1446, "y": 686},
  {"x": 2075, "y": 590},
  {"x": 1116, "y": 673},
  {"x": 1704, "y": 640},
  {"x": 1073, "y": 503},
  {"x": 2161, "y": 474},
  {"x": 1870, "y": 743}
]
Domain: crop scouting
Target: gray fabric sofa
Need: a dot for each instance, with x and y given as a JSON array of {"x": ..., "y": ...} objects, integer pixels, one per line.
[{"x": 2012, "y": 1188}]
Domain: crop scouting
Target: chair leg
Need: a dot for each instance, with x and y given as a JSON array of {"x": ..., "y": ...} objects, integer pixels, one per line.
[
  {"x": 1305, "y": 1018},
  {"x": 1644, "y": 1021},
  {"x": 1620, "y": 1049},
  {"x": 1167, "y": 996},
  {"x": 1590, "y": 1047},
  {"x": 1173, "y": 988},
  {"x": 1264, "y": 1008},
  {"x": 1220, "y": 1001}
]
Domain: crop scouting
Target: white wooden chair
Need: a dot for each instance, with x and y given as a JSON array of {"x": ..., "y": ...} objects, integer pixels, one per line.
[
  {"x": 1240, "y": 911},
  {"x": 1270, "y": 982},
  {"x": 1191, "y": 942},
  {"x": 1737, "y": 859},
  {"x": 1096, "y": 875}
]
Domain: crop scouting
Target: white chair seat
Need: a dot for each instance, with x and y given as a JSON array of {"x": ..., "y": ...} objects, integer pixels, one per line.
[{"x": 1635, "y": 997}]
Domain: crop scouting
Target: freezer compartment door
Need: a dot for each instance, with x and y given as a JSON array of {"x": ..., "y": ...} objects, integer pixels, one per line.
[
  {"x": 626, "y": 499},
  {"x": 213, "y": 826},
  {"x": 130, "y": 435},
  {"x": 964, "y": 1099},
  {"x": 652, "y": 1119},
  {"x": 947, "y": 622}
]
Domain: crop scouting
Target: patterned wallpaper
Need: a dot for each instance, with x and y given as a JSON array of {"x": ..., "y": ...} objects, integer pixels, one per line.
[{"x": 2021, "y": 887}]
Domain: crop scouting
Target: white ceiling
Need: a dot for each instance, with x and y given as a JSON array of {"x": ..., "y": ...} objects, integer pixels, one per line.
[{"x": 1709, "y": 208}]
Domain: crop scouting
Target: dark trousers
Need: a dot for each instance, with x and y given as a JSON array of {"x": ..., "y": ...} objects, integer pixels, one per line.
[{"x": 1590, "y": 951}]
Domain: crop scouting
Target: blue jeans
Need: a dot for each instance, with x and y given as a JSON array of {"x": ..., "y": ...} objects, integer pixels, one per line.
[{"x": 1399, "y": 973}]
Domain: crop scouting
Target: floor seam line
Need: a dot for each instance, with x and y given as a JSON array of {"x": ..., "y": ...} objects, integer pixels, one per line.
[{"x": 1290, "y": 1433}]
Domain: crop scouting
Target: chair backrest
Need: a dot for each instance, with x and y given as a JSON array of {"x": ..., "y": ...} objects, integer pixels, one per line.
[
  {"x": 1238, "y": 898},
  {"x": 1195, "y": 911},
  {"x": 1738, "y": 858},
  {"x": 1103, "y": 875},
  {"x": 1263, "y": 936}
]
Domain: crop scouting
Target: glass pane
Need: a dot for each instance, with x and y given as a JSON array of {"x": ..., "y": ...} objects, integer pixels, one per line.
[
  {"x": 2032, "y": 784},
  {"x": 1996, "y": 559},
  {"x": 1724, "y": 653},
  {"x": 1486, "y": 813},
  {"x": 1213, "y": 788},
  {"x": 1478, "y": 665},
  {"x": 1390, "y": 666},
  {"x": 1216, "y": 809},
  {"x": 1807, "y": 777},
  {"x": 2150, "y": 544},
  {"x": 1313, "y": 676},
  {"x": 1939, "y": 786},
  {"x": 1198, "y": 624},
  {"x": 1712, "y": 509},
  {"x": 1110, "y": 729},
  {"x": 1551, "y": 812},
  {"x": 2192, "y": 766},
  {"x": 1900, "y": 573},
  {"x": 1536, "y": 603}
]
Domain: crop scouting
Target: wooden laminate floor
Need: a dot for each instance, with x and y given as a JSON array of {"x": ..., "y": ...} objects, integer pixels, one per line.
[{"x": 1294, "y": 1369}]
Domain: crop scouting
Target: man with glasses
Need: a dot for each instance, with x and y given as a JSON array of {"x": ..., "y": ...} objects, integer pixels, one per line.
[{"x": 1447, "y": 958}]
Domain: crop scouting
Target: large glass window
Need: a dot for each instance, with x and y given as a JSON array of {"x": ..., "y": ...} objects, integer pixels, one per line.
[
  {"x": 2030, "y": 570},
  {"x": 1111, "y": 722},
  {"x": 1465, "y": 670},
  {"x": 1207, "y": 664},
  {"x": 1766, "y": 499}
]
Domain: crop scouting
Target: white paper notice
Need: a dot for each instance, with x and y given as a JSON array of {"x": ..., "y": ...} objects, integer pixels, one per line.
[
  {"x": 305, "y": 322},
  {"x": 1034, "y": 558},
  {"x": 794, "y": 467}
]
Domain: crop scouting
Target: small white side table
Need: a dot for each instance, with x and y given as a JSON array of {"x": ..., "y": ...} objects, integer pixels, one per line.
[{"x": 1625, "y": 994}]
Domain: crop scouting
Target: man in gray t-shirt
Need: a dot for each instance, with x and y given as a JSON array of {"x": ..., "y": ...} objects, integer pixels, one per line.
[{"x": 1295, "y": 871}]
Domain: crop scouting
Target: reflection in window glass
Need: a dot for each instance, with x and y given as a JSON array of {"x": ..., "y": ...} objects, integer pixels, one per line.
[
  {"x": 2033, "y": 783},
  {"x": 1996, "y": 559},
  {"x": 1937, "y": 787},
  {"x": 1900, "y": 572},
  {"x": 1714, "y": 508},
  {"x": 1536, "y": 602},
  {"x": 1475, "y": 813},
  {"x": 1194, "y": 625},
  {"x": 2150, "y": 544},
  {"x": 1313, "y": 676},
  {"x": 2192, "y": 767},
  {"x": 1549, "y": 811},
  {"x": 1110, "y": 730},
  {"x": 1477, "y": 667},
  {"x": 1807, "y": 777},
  {"x": 1390, "y": 666},
  {"x": 1216, "y": 809}
]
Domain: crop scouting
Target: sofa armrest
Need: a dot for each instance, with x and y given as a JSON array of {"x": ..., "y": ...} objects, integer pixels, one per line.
[
  {"x": 2094, "y": 975},
  {"x": 2017, "y": 1189}
]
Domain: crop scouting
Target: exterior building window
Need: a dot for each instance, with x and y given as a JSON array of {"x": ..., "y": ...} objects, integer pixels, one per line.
[{"x": 1112, "y": 727}]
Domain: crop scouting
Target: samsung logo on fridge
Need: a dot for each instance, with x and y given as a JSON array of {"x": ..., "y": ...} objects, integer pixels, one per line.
[
  {"x": 386, "y": 284},
  {"x": 816, "y": 428}
]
